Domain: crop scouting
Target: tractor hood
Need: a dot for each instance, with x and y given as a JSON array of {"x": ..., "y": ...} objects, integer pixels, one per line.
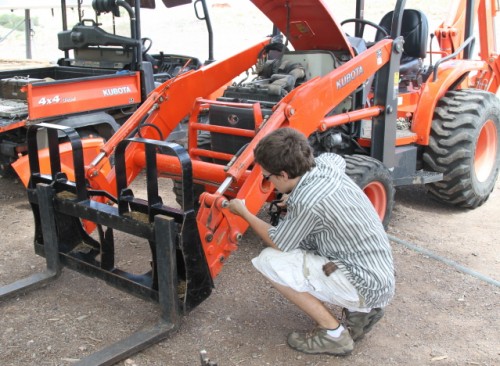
[
  {"x": 172, "y": 3},
  {"x": 309, "y": 23}
]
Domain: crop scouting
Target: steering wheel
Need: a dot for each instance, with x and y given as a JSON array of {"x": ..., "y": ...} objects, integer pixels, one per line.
[
  {"x": 146, "y": 44},
  {"x": 366, "y": 22}
]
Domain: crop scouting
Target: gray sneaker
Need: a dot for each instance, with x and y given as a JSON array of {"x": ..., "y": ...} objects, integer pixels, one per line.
[
  {"x": 318, "y": 341},
  {"x": 361, "y": 323}
]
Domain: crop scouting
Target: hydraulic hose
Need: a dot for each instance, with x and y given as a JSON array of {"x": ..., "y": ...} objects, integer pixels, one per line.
[{"x": 444, "y": 260}]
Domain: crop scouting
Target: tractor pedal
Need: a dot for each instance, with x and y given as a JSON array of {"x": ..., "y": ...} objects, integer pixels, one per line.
[
  {"x": 420, "y": 177},
  {"x": 425, "y": 176}
]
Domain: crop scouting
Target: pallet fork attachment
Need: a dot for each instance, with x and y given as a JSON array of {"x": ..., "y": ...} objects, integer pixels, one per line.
[
  {"x": 53, "y": 269},
  {"x": 179, "y": 278}
]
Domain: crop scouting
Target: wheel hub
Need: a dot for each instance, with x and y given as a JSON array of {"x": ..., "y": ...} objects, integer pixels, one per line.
[
  {"x": 376, "y": 193},
  {"x": 486, "y": 151}
]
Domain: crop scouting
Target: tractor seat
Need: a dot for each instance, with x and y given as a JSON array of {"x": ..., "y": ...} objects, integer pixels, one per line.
[{"x": 415, "y": 32}]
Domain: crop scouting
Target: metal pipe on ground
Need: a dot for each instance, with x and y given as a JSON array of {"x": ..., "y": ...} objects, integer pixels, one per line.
[{"x": 446, "y": 261}]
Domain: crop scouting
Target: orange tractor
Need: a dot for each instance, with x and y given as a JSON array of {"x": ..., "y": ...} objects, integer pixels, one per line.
[{"x": 395, "y": 117}]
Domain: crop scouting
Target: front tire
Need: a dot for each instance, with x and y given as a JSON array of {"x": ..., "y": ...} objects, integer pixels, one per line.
[
  {"x": 376, "y": 182},
  {"x": 198, "y": 189},
  {"x": 464, "y": 147}
]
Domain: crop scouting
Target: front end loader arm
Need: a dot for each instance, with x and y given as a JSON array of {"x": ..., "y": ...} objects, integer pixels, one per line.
[
  {"x": 219, "y": 229},
  {"x": 166, "y": 106}
]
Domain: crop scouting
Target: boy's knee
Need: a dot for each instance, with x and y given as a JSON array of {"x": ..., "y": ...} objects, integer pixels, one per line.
[
  {"x": 264, "y": 259},
  {"x": 269, "y": 253}
]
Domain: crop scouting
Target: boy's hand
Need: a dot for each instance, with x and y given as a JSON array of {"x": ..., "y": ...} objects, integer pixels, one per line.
[
  {"x": 237, "y": 207},
  {"x": 282, "y": 201}
]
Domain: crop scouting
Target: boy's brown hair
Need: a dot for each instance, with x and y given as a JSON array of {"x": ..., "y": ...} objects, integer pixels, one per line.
[{"x": 285, "y": 149}]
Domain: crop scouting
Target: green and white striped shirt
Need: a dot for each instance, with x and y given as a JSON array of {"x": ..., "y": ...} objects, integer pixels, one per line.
[{"x": 328, "y": 214}]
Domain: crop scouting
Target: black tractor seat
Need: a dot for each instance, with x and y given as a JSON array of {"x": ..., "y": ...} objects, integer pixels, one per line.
[{"x": 415, "y": 32}]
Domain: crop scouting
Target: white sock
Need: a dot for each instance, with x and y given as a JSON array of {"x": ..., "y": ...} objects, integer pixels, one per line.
[{"x": 335, "y": 333}]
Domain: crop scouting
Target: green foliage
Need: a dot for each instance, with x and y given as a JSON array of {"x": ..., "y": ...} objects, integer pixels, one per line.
[{"x": 12, "y": 21}]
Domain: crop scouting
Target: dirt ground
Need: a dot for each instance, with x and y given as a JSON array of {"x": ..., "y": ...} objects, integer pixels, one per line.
[{"x": 439, "y": 316}]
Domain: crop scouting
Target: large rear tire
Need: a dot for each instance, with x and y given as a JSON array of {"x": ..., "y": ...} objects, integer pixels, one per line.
[
  {"x": 376, "y": 182},
  {"x": 464, "y": 147}
]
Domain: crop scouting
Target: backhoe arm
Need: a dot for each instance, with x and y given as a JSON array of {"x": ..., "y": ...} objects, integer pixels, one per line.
[{"x": 452, "y": 33}]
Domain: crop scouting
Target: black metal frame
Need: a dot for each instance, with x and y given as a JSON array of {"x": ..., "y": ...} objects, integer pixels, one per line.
[
  {"x": 386, "y": 93},
  {"x": 177, "y": 257}
]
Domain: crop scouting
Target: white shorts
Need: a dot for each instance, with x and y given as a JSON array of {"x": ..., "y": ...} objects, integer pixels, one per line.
[{"x": 303, "y": 272}]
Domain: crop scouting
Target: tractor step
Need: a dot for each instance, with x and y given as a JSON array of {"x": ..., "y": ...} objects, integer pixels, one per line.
[{"x": 420, "y": 177}]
